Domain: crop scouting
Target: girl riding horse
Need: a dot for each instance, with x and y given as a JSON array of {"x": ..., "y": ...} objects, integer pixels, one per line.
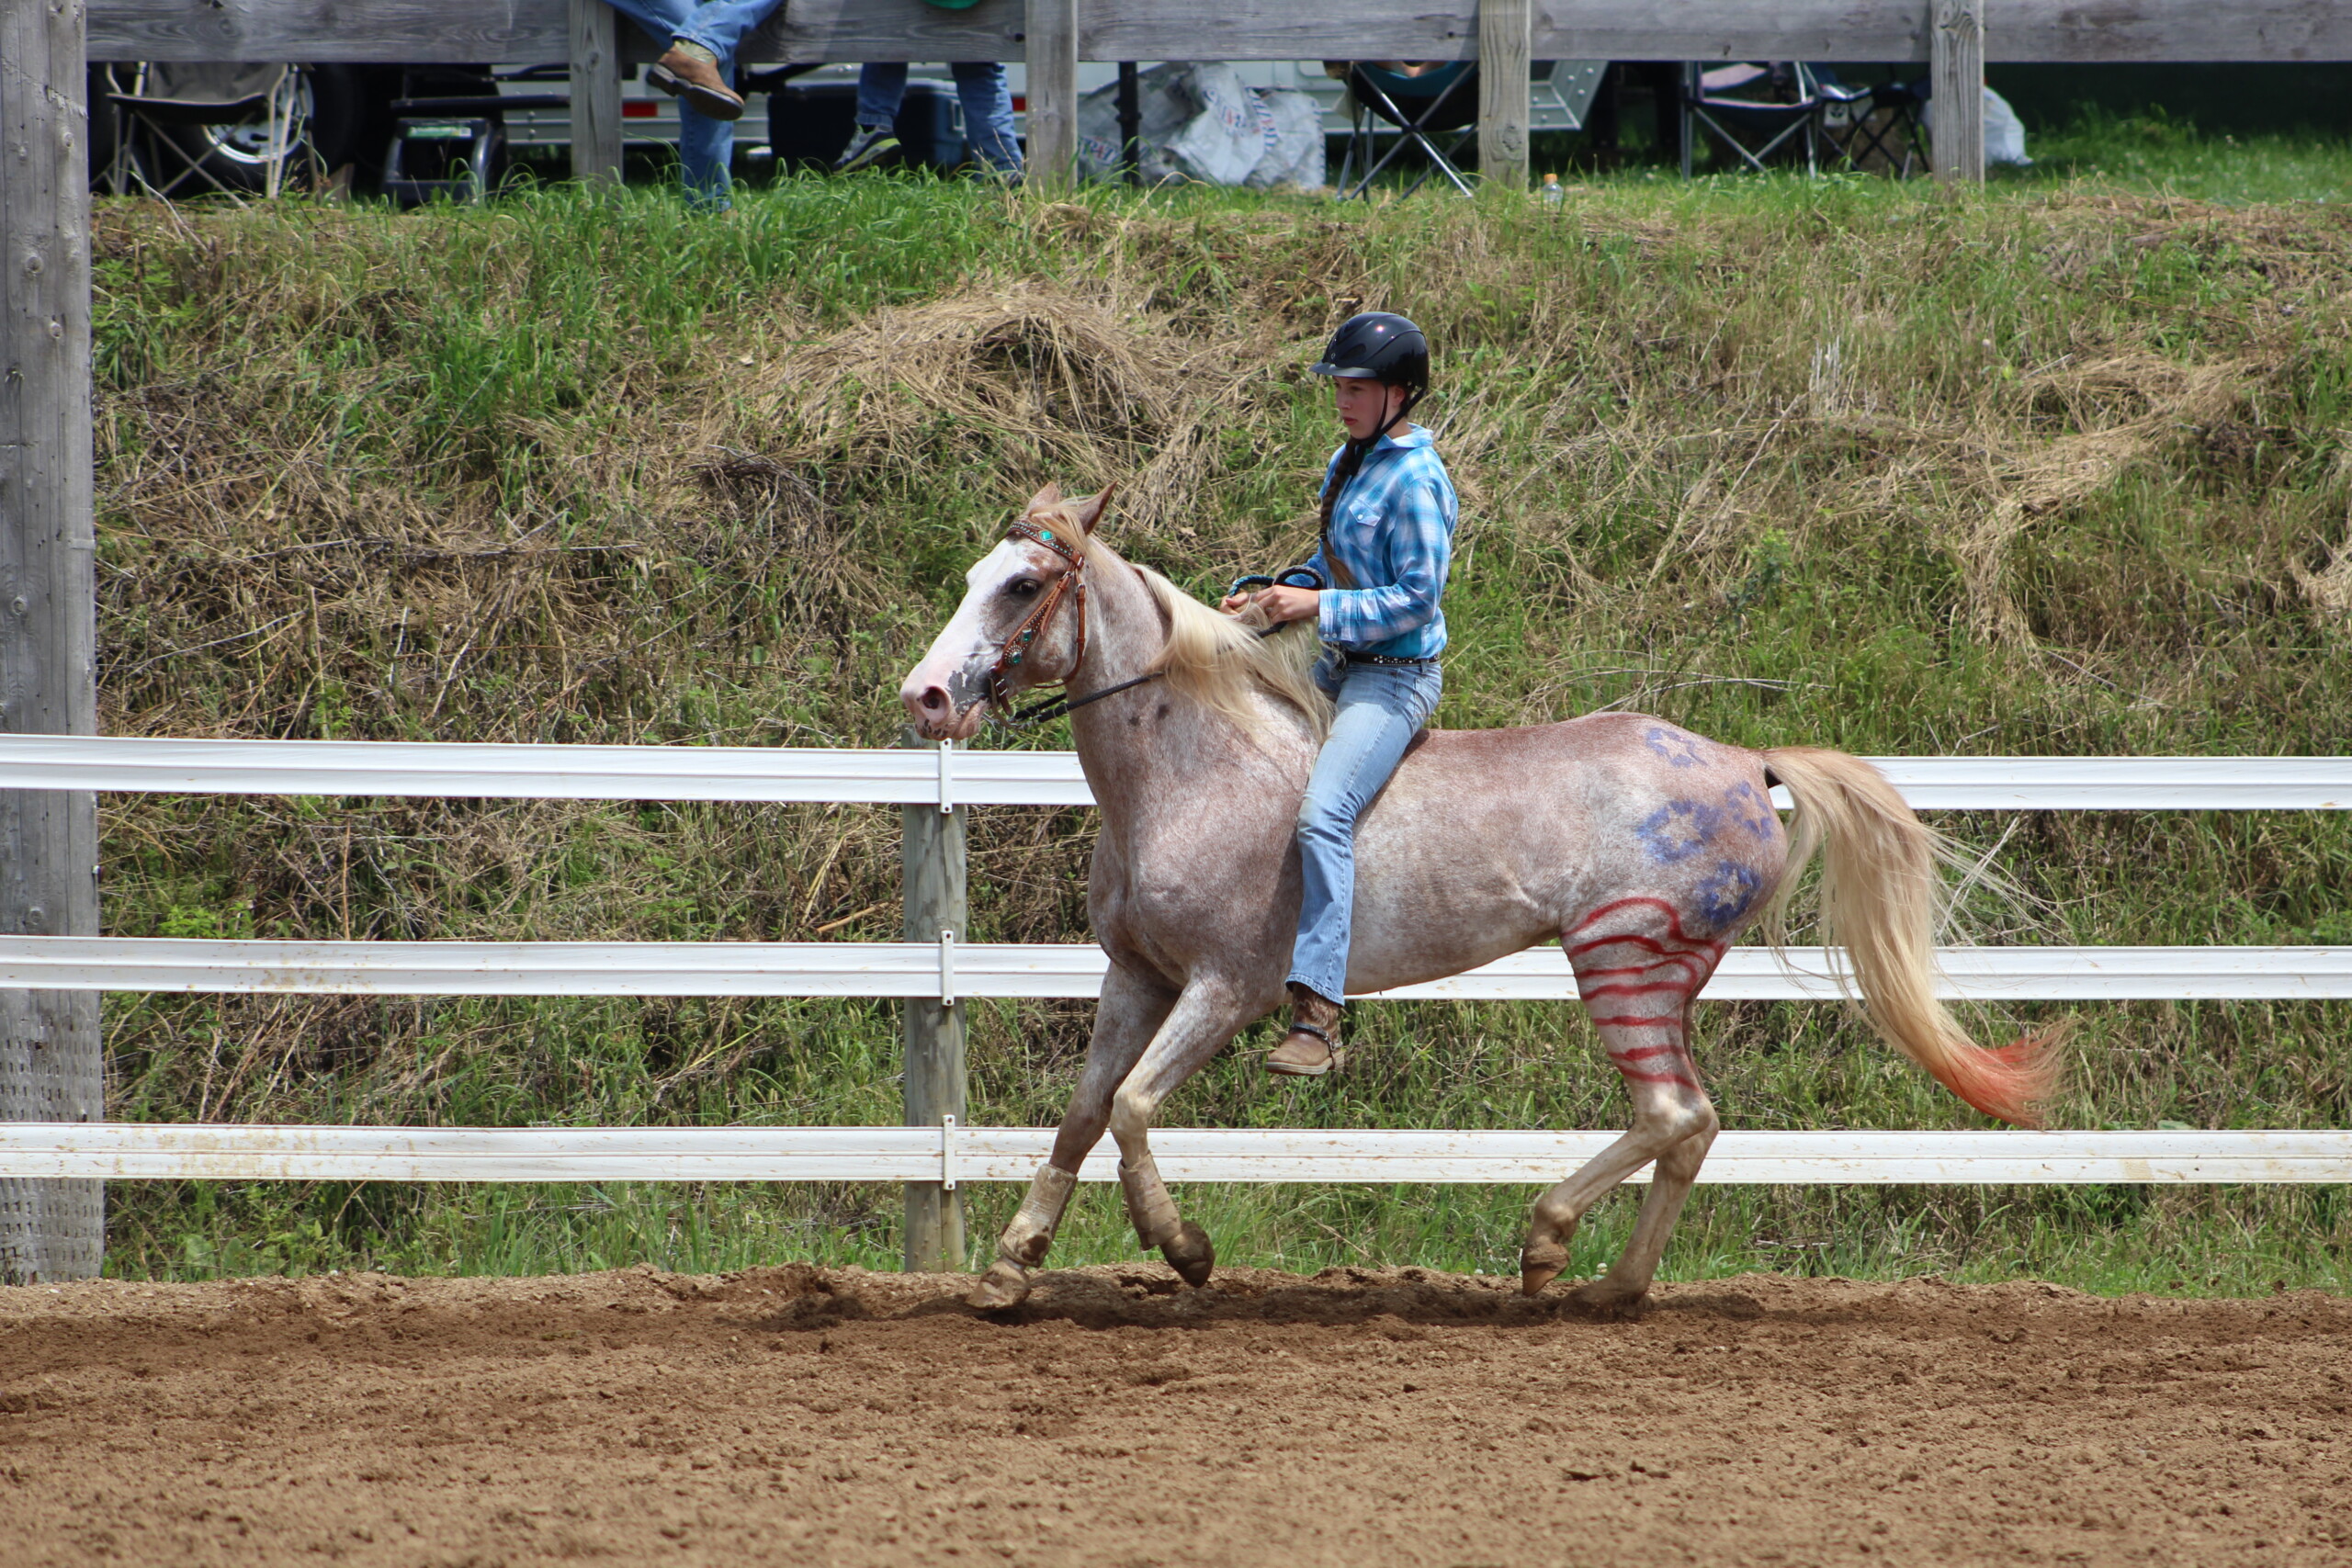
[{"x": 1388, "y": 513}]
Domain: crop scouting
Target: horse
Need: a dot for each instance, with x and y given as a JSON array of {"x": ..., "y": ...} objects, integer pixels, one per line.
[{"x": 1646, "y": 849}]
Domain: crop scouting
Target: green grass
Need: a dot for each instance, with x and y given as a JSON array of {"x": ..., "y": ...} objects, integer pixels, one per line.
[{"x": 2058, "y": 466}]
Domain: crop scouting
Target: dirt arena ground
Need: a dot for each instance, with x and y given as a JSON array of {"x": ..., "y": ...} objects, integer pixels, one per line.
[{"x": 795, "y": 1416}]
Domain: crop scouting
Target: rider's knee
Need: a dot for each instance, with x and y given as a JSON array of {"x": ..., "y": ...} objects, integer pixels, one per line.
[{"x": 1324, "y": 818}]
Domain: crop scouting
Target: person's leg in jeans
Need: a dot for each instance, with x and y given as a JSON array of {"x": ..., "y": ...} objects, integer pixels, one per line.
[
  {"x": 988, "y": 116},
  {"x": 881, "y": 88},
  {"x": 1380, "y": 709},
  {"x": 701, "y": 41}
]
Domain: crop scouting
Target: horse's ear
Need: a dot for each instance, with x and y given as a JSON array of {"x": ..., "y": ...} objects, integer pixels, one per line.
[
  {"x": 1049, "y": 496},
  {"x": 1088, "y": 511}
]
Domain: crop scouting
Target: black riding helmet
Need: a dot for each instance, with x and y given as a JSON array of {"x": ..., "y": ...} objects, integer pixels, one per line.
[{"x": 1382, "y": 345}]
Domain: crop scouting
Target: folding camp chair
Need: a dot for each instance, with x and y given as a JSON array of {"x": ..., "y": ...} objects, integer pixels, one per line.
[
  {"x": 1442, "y": 102},
  {"x": 1754, "y": 112},
  {"x": 180, "y": 129},
  {"x": 1875, "y": 129}
]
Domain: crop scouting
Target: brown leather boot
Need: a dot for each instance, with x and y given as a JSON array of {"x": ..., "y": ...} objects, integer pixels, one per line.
[
  {"x": 690, "y": 72},
  {"x": 1312, "y": 1047}
]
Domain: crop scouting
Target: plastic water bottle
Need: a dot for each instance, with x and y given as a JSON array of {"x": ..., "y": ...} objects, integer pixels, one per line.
[{"x": 1552, "y": 197}]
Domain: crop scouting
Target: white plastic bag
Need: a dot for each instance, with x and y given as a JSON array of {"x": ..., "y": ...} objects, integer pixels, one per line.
[
  {"x": 1201, "y": 122},
  {"x": 2004, "y": 132}
]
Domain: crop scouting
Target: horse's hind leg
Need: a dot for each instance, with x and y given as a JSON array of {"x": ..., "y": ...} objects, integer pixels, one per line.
[
  {"x": 1130, "y": 1013},
  {"x": 1637, "y": 985},
  {"x": 1205, "y": 1017},
  {"x": 1622, "y": 1289}
]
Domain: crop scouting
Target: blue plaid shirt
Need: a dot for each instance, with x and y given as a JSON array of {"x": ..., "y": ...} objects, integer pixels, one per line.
[{"x": 1394, "y": 532}]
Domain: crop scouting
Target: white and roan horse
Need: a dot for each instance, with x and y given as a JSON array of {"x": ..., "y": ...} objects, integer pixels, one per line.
[{"x": 1644, "y": 849}]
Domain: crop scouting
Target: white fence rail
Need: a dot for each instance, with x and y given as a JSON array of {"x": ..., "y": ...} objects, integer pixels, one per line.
[
  {"x": 953, "y": 1153},
  {"x": 946, "y": 972},
  {"x": 1013, "y": 778},
  {"x": 958, "y": 972}
]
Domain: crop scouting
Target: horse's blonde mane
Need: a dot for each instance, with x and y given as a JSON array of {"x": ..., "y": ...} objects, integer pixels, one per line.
[{"x": 1215, "y": 659}]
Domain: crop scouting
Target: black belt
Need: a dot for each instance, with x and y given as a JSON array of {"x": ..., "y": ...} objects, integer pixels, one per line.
[{"x": 1382, "y": 658}]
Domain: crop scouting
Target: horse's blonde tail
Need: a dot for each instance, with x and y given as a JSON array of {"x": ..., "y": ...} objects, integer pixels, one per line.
[{"x": 1881, "y": 899}]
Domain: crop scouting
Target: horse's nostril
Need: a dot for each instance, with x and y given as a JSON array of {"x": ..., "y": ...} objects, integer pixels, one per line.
[{"x": 933, "y": 698}]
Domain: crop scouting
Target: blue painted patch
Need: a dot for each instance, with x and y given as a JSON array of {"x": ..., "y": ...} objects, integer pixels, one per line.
[
  {"x": 1681, "y": 750},
  {"x": 1729, "y": 890},
  {"x": 1679, "y": 829},
  {"x": 1752, "y": 809}
]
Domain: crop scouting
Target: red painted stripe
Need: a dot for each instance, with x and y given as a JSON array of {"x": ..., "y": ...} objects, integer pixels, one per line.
[
  {"x": 1630, "y": 1021},
  {"x": 1688, "y": 960},
  {"x": 1642, "y": 1053},
  {"x": 1591, "y": 993},
  {"x": 1673, "y": 921}
]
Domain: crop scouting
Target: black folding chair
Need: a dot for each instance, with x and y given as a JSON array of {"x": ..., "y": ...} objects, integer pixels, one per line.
[
  {"x": 1753, "y": 111},
  {"x": 1420, "y": 109},
  {"x": 232, "y": 128},
  {"x": 1876, "y": 129}
]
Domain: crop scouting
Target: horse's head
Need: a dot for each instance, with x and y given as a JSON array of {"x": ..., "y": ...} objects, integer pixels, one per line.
[{"x": 999, "y": 642}]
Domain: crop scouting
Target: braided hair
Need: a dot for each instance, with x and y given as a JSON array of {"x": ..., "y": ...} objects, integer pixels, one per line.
[{"x": 1351, "y": 456}]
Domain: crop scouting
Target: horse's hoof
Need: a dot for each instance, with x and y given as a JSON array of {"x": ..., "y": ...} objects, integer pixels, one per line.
[
  {"x": 1607, "y": 1302},
  {"x": 1540, "y": 1263},
  {"x": 1006, "y": 1285},
  {"x": 1189, "y": 1252}
]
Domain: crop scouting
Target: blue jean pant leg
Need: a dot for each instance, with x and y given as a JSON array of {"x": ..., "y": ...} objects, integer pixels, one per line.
[
  {"x": 1381, "y": 708},
  {"x": 988, "y": 114},
  {"x": 881, "y": 88},
  {"x": 705, "y": 146}
]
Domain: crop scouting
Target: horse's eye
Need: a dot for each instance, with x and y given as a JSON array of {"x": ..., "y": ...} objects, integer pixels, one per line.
[{"x": 1025, "y": 587}]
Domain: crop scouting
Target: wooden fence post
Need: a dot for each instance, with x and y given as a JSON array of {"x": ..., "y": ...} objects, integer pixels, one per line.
[
  {"x": 1956, "y": 70},
  {"x": 595, "y": 93},
  {"x": 931, "y": 853},
  {"x": 51, "y": 1069},
  {"x": 1503, "y": 89},
  {"x": 1052, "y": 111}
]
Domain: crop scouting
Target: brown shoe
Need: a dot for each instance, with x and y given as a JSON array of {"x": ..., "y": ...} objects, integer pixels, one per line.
[
  {"x": 690, "y": 73},
  {"x": 1311, "y": 1049}
]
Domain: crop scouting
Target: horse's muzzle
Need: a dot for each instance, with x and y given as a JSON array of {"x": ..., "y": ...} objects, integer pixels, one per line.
[{"x": 944, "y": 709}]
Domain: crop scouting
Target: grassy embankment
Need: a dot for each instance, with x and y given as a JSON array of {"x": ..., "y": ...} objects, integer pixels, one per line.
[{"x": 2060, "y": 468}]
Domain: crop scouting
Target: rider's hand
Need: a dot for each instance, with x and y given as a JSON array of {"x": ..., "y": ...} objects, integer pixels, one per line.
[
  {"x": 1283, "y": 605},
  {"x": 1234, "y": 603}
]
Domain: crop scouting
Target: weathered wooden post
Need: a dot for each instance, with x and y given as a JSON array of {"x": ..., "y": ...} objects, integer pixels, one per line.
[
  {"x": 50, "y": 1065},
  {"x": 595, "y": 94},
  {"x": 1052, "y": 42},
  {"x": 1956, "y": 70},
  {"x": 1503, "y": 90},
  {"x": 932, "y": 853}
]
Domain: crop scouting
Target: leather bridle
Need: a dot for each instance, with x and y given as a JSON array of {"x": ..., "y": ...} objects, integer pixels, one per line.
[
  {"x": 1014, "y": 650},
  {"x": 1070, "y": 584}
]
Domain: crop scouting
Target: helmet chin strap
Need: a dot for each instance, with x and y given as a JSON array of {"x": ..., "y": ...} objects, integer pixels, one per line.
[{"x": 1362, "y": 448}]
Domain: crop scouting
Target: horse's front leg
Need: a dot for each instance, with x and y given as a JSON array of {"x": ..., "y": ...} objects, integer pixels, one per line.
[
  {"x": 1208, "y": 1014},
  {"x": 1131, "y": 1010}
]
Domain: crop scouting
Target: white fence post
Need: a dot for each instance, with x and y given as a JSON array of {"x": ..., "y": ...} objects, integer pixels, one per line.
[{"x": 931, "y": 856}]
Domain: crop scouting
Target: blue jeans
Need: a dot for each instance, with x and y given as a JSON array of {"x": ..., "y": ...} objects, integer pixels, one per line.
[
  {"x": 1381, "y": 706},
  {"x": 705, "y": 146},
  {"x": 988, "y": 106}
]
